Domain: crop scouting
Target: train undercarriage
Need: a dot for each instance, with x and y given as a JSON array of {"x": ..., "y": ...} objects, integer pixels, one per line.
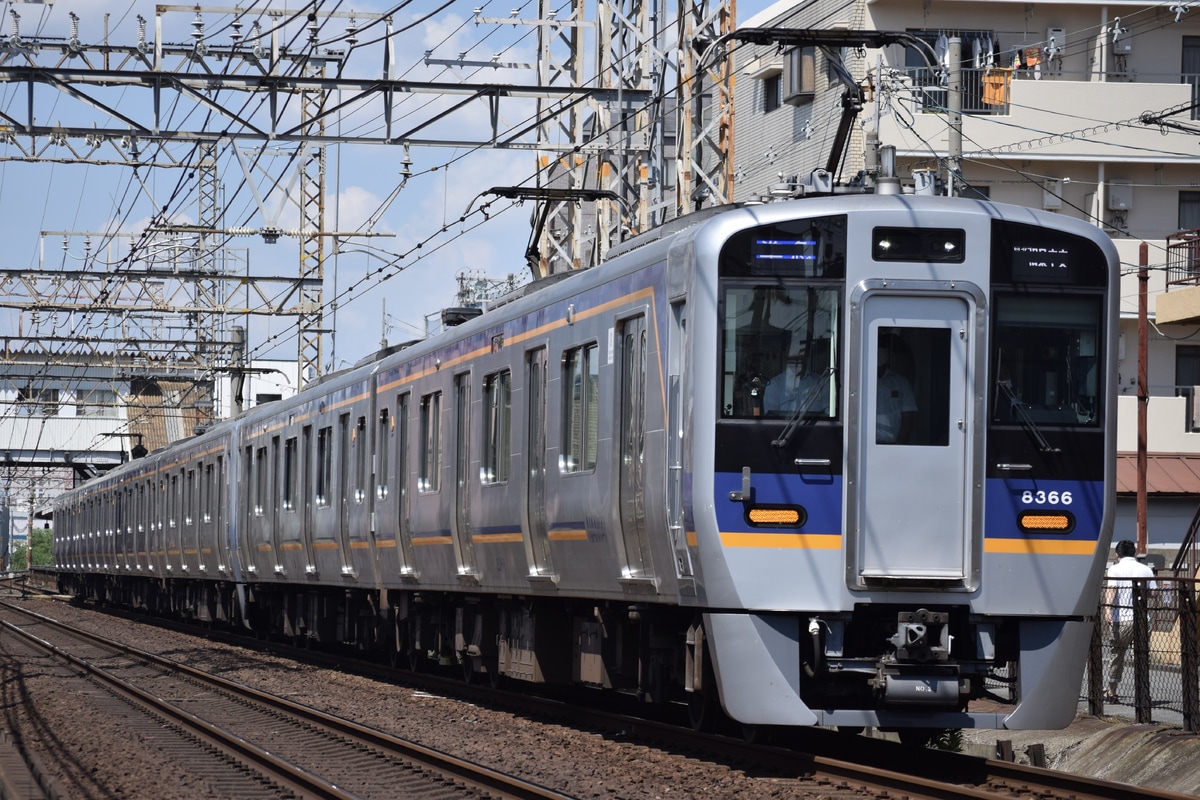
[{"x": 875, "y": 657}]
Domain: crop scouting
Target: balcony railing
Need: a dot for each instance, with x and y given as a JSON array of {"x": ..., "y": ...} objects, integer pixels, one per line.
[
  {"x": 987, "y": 90},
  {"x": 1183, "y": 259}
]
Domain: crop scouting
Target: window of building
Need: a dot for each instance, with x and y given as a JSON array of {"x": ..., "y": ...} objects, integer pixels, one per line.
[
  {"x": 1189, "y": 70},
  {"x": 431, "y": 446},
  {"x": 1187, "y": 381},
  {"x": 96, "y": 403},
  {"x": 1189, "y": 211},
  {"x": 581, "y": 408},
  {"x": 34, "y": 400},
  {"x": 772, "y": 87},
  {"x": 799, "y": 76},
  {"x": 497, "y": 427}
]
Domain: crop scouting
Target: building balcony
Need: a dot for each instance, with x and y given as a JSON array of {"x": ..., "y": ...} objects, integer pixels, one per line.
[
  {"x": 1172, "y": 424},
  {"x": 1010, "y": 113},
  {"x": 1181, "y": 301}
]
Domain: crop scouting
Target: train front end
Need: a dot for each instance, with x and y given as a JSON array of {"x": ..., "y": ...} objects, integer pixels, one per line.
[{"x": 902, "y": 459}]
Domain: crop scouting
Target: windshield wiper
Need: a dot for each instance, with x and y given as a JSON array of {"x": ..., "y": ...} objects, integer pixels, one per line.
[
  {"x": 802, "y": 409},
  {"x": 1018, "y": 409}
]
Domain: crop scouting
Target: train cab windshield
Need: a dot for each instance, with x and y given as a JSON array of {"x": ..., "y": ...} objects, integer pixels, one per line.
[
  {"x": 778, "y": 346},
  {"x": 780, "y": 325},
  {"x": 1046, "y": 360}
]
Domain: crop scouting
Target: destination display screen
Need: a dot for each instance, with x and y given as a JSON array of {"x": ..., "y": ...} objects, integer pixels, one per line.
[
  {"x": 803, "y": 248},
  {"x": 1042, "y": 263},
  {"x": 1025, "y": 253},
  {"x": 785, "y": 250}
]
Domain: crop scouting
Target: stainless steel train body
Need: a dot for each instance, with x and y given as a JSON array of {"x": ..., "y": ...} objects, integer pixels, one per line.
[{"x": 842, "y": 461}]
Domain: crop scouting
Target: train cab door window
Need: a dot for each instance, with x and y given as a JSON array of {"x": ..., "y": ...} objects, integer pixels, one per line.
[
  {"x": 899, "y": 417},
  {"x": 581, "y": 408},
  {"x": 431, "y": 444},
  {"x": 1045, "y": 360},
  {"x": 497, "y": 427},
  {"x": 780, "y": 344},
  {"x": 324, "y": 465}
]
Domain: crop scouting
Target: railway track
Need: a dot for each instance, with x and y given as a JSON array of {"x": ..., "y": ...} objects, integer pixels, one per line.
[
  {"x": 815, "y": 762},
  {"x": 249, "y": 744}
]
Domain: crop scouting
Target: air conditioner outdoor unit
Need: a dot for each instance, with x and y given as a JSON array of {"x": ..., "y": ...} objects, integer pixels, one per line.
[{"x": 1120, "y": 195}]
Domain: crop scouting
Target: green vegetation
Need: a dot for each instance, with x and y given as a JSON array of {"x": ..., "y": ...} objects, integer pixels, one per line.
[{"x": 42, "y": 540}]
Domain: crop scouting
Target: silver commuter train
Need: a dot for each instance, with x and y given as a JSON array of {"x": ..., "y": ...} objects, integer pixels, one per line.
[{"x": 840, "y": 461}]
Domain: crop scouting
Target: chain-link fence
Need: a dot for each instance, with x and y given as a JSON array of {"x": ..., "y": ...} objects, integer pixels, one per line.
[{"x": 1155, "y": 673}]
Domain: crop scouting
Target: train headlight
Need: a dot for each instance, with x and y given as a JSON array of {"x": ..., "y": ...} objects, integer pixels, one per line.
[
  {"x": 1046, "y": 521},
  {"x": 763, "y": 516}
]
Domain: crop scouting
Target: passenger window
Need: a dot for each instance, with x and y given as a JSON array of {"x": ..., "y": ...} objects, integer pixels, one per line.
[
  {"x": 497, "y": 427},
  {"x": 324, "y": 464},
  {"x": 581, "y": 408},
  {"x": 431, "y": 446}
]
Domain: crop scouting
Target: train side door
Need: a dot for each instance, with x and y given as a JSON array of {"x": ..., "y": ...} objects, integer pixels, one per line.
[
  {"x": 308, "y": 496},
  {"x": 631, "y": 430},
  {"x": 540, "y": 562},
  {"x": 463, "y": 547},
  {"x": 914, "y": 511}
]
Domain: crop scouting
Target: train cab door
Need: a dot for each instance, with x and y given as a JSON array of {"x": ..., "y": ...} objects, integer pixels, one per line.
[
  {"x": 631, "y": 431},
  {"x": 538, "y": 548},
  {"x": 913, "y": 505}
]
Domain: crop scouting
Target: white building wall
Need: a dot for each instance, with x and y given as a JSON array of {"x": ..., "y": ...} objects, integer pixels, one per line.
[
  {"x": 266, "y": 379},
  {"x": 1071, "y": 127}
]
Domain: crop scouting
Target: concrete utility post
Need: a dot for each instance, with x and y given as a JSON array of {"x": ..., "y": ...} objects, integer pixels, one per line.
[
  {"x": 954, "y": 105},
  {"x": 1143, "y": 394}
]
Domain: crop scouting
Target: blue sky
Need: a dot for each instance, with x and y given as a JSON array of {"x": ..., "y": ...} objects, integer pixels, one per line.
[{"x": 113, "y": 205}]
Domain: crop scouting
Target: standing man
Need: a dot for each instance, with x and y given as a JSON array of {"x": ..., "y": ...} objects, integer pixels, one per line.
[{"x": 1118, "y": 598}]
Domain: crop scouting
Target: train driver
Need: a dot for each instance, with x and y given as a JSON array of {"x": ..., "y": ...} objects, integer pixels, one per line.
[
  {"x": 895, "y": 403},
  {"x": 798, "y": 387}
]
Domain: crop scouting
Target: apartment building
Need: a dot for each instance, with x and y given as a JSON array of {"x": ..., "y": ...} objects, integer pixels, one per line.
[{"x": 1053, "y": 98}]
